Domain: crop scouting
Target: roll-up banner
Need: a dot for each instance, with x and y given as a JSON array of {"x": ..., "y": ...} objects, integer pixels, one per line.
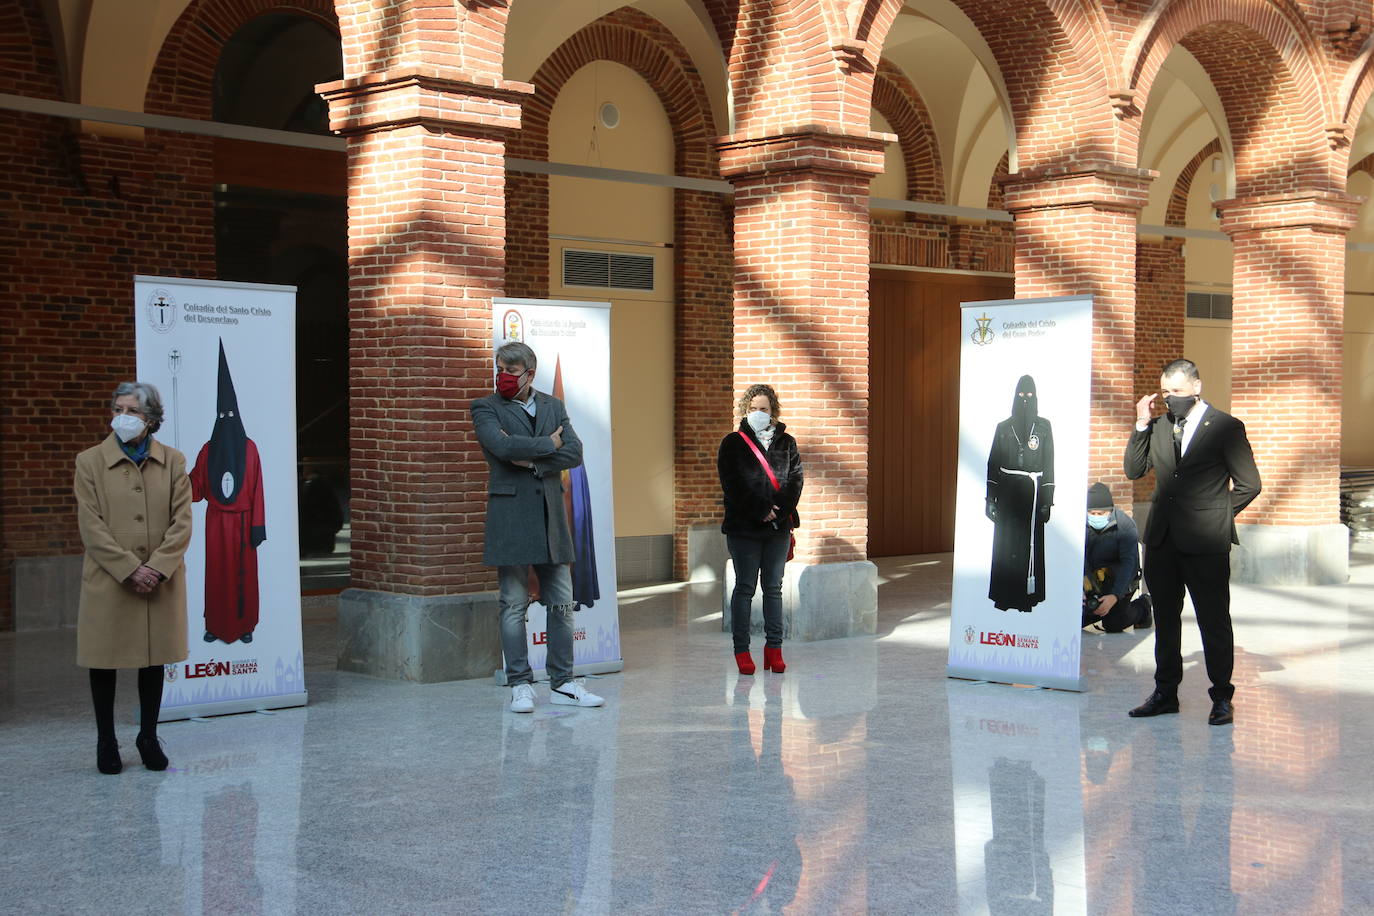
[
  {"x": 1025, "y": 371},
  {"x": 572, "y": 341},
  {"x": 223, "y": 355}
]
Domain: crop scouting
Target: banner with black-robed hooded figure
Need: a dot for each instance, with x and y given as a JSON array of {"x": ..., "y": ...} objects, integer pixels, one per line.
[
  {"x": 1020, "y": 496},
  {"x": 223, "y": 356},
  {"x": 1024, "y": 377}
]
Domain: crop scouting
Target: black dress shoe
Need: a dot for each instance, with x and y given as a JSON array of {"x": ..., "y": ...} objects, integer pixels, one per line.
[
  {"x": 246, "y": 638},
  {"x": 209, "y": 637},
  {"x": 1223, "y": 713},
  {"x": 1157, "y": 705},
  {"x": 150, "y": 749},
  {"x": 107, "y": 756}
]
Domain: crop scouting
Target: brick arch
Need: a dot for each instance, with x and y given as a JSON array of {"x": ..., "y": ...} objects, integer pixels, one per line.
[
  {"x": 897, "y": 100},
  {"x": 641, "y": 43},
  {"x": 464, "y": 37},
  {"x": 1266, "y": 66},
  {"x": 183, "y": 77},
  {"x": 1177, "y": 212},
  {"x": 703, "y": 252},
  {"x": 858, "y": 50},
  {"x": 1055, "y": 58},
  {"x": 1357, "y": 87},
  {"x": 29, "y": 65},
  {"x": 996, "y": 189},
  {"x": 1365, "y": 165}
]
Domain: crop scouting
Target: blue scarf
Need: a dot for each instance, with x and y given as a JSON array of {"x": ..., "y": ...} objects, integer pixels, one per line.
[{"x": 137, "y": 452}]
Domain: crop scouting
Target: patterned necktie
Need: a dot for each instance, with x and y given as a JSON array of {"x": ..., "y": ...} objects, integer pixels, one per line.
[{"x": 1178, "y": 437}]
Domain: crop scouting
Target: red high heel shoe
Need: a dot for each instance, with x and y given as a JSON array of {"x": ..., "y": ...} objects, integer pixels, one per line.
[
  {"x": 772, "y": 660},
  {"x": 745, "y": 662}
]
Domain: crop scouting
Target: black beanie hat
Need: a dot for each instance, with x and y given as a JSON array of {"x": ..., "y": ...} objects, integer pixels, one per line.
[{"x": 1099, "y": 497}]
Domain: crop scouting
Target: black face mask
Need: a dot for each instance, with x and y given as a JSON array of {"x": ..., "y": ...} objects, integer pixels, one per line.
[{"x": 1179, "y": 406}]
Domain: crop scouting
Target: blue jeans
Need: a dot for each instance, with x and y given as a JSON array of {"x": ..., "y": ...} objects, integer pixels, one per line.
[
  {"x": 555, "y": 593},
  {"x": 757, "y": 560}
]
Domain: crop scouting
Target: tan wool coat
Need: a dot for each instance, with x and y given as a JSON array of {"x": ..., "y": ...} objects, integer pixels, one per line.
[{"x": 131, "y": 516}]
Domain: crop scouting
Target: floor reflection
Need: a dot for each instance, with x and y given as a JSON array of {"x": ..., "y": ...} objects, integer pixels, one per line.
[
  {"x": 228, "y": 812},
  {"x": 860, "y": 781},
  {"x": 1017, "y": 800}
]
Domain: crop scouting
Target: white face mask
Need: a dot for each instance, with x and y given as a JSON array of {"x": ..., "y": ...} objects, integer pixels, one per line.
[
  {"x": 127, "y": 426},
  {"x": 759, "y": 420}
]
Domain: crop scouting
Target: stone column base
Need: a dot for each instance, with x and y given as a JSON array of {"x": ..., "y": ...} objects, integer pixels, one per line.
[
  {"x": 423, "y": 639},
  {"x": 819, "y": 601},
  {"x": 1291, "y": 555},
  {"x": 706, "y": 553},
  {"x": 46, "y": 592}
]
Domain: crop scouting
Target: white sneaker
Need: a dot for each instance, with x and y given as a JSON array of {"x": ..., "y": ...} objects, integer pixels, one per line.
[
  {"x": 522, "y": 698},
  {"x": 574, "y": 694}
]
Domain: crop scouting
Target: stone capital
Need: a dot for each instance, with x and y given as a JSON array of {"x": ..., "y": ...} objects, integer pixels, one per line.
[
  {"x": 439, "y": 100},
  {"x": 1320, "y": 211},
  {"x": 1101, "y": 187},
  {"x": 806, "y": 149}
]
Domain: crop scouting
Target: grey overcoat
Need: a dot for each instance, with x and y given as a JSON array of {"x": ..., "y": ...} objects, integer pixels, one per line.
[
  {"x": 527, "y": 521},
  {"x": 130, "y": 516}
]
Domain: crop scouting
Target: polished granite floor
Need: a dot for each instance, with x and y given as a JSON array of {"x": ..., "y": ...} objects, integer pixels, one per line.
[{"x": 861, "y": 780}]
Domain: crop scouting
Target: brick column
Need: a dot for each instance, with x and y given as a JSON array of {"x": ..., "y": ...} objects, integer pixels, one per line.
[
  {"x": 426, "y": 233},
  {"x": 1286, "y": 380},
  {"x": 801, "y": 325},
  {"x": 1076, "y": 235},
  {"x": 1161, "y": 306}
]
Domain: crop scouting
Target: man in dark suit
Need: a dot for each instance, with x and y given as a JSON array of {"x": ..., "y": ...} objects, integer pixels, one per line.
[
  {"x": 1205, "y": 475},
  {"x": 528, "y": 440}
]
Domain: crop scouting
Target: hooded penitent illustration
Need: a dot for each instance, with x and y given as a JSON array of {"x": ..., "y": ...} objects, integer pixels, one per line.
[
  {"x": 1020, "y": 494},
  {"x": 228, "y": 476}
]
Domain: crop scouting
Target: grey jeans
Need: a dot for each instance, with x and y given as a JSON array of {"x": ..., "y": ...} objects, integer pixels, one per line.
[{"x": 555, "y": 593}]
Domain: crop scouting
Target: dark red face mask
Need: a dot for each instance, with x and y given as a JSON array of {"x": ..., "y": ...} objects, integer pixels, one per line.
[{"x": 507, "y": 385}]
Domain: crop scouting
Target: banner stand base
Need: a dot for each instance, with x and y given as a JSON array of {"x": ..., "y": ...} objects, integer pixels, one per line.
[
  {"x": 230, "y": 707},
  {"x": 1046, "y": 680},
  {"x": 499, "y": 675}
]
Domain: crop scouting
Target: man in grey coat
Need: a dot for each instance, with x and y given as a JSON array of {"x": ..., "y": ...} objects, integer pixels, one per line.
[{"x": 528, "y": 442}]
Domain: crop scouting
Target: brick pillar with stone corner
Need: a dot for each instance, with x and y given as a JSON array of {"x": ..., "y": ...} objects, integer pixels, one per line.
[
  {"x": 426, "y": 235},
  {"x": 1076, "y": 236},
  {"x": 801, "y": 325},
  {"x": 1286, "y": 381}
]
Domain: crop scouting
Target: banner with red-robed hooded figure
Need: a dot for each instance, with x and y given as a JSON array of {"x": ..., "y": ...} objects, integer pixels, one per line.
[
  {"x": 227, "y": 477},
  {"x": 223, "y": 355}
]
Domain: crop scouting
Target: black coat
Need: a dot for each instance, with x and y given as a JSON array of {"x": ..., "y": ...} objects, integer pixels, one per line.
[
  {"x": 746, "y": 490},
  {"x": 1194, "y": 502},
  {"x": 1116, "y": 547}
]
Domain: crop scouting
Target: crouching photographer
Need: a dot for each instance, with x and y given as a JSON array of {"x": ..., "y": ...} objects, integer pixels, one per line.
[{"x": 1111, "y": 567}]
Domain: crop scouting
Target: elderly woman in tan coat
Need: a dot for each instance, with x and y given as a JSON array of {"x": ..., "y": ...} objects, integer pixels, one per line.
[{"x": 133, "y": 502}]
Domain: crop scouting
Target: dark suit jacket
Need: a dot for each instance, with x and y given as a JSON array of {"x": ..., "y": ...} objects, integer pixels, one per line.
[
  {"x": 1194, "y": 503},
  {"x": 527, "y": 521}
]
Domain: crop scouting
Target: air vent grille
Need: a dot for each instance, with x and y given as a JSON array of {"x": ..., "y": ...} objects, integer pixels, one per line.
[
  {"x": 608, "y": 269},
  {"x": 1209, "y": 305}
]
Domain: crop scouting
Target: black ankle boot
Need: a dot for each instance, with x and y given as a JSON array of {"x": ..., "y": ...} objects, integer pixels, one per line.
[
  {"x": 107, "y": 756},
  {"x": 151, "y": 751}
]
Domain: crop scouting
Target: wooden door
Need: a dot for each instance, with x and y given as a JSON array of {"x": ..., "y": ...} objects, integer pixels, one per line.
[{"x": 914, "y": 405}]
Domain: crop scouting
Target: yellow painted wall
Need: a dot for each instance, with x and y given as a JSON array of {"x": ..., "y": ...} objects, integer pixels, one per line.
[
  {"x": 1357, "y": 432},
  {"x": 1208, "y": 270},
  {"x": 595, "y": 213},
  {"x": 892, "y": 182},
  {"x": 123, "y": 40}
]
